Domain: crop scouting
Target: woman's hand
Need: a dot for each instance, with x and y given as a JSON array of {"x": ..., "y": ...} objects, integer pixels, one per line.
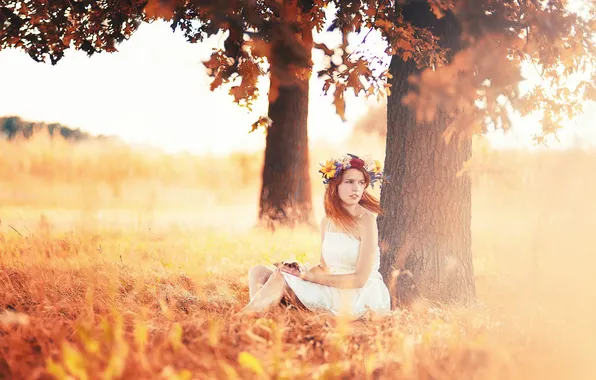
[
  {"x": 306, "y": 276},
  {"x": 290, "y": 270}
]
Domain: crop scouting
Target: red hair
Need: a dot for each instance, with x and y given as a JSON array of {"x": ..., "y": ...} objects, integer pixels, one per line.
[{"x": 335, "y": 210}]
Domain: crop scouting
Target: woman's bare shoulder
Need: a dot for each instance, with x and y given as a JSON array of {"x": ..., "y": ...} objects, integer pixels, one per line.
[
  {"x": 324, "y": 224},
  {"x": 363, "y": 212},
  {"x": 324, "y": 221},
  {"x": 367, "y": 222}
]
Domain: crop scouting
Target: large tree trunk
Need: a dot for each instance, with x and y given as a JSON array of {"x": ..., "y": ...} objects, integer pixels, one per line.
[
  {"x": 425, "y": 232},
  {"x": 286, "y": 198}
]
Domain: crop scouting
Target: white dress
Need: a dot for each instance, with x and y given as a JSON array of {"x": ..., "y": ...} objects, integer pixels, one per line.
[{"x": 340, "y": 252}]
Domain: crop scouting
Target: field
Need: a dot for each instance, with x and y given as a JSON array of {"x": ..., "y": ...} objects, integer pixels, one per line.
[{"x": 127, "y": 263}]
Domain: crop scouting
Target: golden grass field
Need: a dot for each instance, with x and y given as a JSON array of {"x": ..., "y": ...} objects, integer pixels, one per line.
[{"x": 118, "y": 263}]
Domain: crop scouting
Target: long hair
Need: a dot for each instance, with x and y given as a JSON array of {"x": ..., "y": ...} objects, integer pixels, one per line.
[{"x": 335, "y": 210}]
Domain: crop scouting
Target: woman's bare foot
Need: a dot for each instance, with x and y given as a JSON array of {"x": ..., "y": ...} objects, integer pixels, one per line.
[{"x": 247, "y": 312}]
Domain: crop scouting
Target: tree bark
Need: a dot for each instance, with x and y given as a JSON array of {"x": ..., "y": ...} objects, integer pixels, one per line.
[
  {"x": 286, "y": 198},
  {"x": 425, "y": 232}
]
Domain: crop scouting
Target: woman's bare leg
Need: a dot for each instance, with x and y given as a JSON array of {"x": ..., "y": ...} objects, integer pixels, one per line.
[
  {"x": 269, "y": 295},
  {"x": 257, "y": 277}
]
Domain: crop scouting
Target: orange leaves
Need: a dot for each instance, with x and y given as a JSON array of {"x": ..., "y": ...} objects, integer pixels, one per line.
[
  {"x": 259, "y": 48},
  {"x": 245, "y": 70},
  {"x": 46, "y": 29},
  {"x": 405, "y": 44},
  {"x": 438, "y": 7},
  {"x": 499, "y": 35},
  {"x": 409, "y": 42},
  {"x": 384, "y": 24},
  {"x": 356, "y": 75},
  {"x": 480, "y": 85},
  {"x": 246, "y": 92},
  {"x": 161, "y": 9},
  {"x": 454, "y": 88},
  {"x": 339, "y": 101},
  {"x": 217, "y": 66},
  {"x": 263, "y": 122},
  {"x": 590, "y": 91},
  {"x": 350, "y": 68},
  {"x": 273, "y": 41}
]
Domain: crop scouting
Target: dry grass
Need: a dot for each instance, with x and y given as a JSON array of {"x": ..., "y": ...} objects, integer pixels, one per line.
[{"x": 117, "y": 263}]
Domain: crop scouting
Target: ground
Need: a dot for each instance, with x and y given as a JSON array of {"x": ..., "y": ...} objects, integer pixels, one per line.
[{"x": 123, "y": 264}]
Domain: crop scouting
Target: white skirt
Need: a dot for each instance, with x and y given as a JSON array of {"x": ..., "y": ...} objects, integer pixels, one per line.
[{"x": 373, "y": 296}]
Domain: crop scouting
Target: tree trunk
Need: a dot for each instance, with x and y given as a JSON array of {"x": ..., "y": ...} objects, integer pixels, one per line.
[
  {"x": 425, "y": 232},
  {"x": 286, "y": 198}
]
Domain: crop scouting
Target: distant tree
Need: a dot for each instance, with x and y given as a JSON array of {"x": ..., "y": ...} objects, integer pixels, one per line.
[
  {"x": 10, "y": 126},
  {"x": 455, "y": 70},
  {"x": 13, "y": 127}
]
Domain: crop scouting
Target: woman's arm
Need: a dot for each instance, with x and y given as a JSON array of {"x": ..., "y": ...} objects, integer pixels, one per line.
[
  {"x": 317, "y": 269},
  {"x": 322, "y": 266},
  {"x": 367, "y": 228}
]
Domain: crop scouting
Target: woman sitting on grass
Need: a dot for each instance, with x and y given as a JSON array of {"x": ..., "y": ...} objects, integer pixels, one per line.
[{"x": 347, "y": 281}]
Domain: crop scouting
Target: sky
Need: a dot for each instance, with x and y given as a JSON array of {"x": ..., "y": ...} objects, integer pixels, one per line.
[{"x": 155, "y": 91}]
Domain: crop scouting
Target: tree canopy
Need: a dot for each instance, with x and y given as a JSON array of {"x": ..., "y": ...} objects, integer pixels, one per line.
[{"x": 479, "y": 85}]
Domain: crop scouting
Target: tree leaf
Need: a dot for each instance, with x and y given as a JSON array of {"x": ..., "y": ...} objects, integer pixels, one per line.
[
  {"x": 160, "y": 9},
  {"x": 340, "y": 103},
  {"x": 263, "y": 122}
]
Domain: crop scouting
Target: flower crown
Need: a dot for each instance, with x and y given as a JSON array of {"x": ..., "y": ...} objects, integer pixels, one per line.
[{"x": 335, "y": 167}]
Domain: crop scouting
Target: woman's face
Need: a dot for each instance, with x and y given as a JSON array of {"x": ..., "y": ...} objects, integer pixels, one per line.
[{"x": 351, "y": 187}]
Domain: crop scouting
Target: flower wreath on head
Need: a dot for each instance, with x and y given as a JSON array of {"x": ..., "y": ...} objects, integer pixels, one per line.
[{"x": 335, "y": 167}]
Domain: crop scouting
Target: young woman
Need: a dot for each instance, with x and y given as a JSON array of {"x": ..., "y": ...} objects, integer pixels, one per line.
[{"x": 347, "y": 280}]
